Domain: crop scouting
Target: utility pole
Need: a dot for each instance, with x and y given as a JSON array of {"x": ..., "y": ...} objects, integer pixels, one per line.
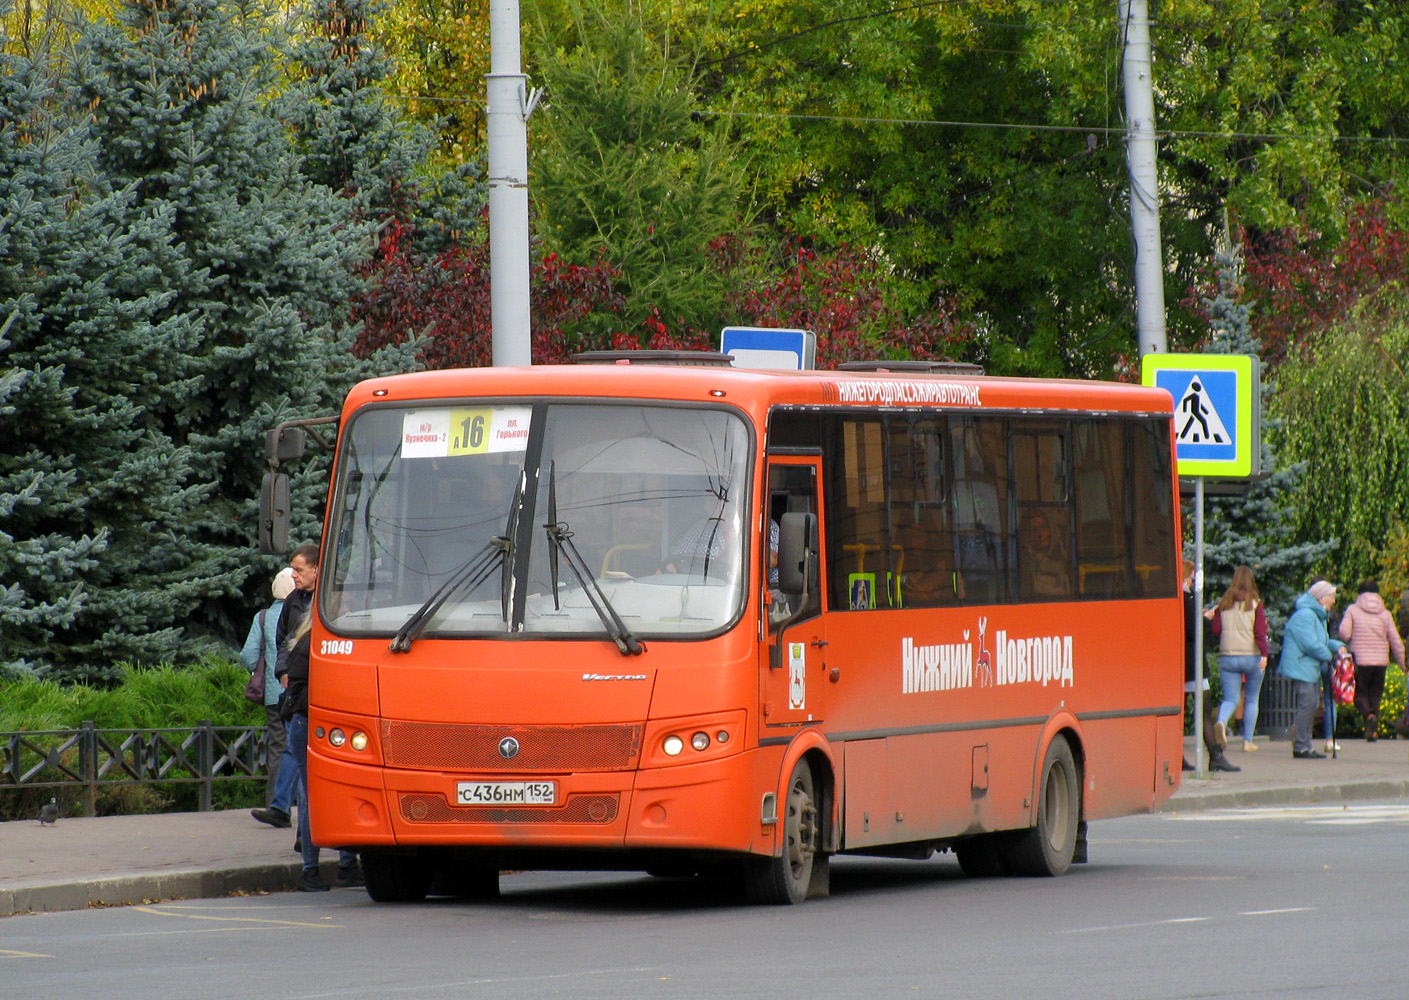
[
  {"x": 1144, "y": 183},
  {"x": 508, "y": 106}
]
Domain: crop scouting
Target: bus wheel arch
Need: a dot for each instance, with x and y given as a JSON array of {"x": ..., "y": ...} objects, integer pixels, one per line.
[
  {"x": 801, "y": 868},
  {"x": 1050, "y": 845}
]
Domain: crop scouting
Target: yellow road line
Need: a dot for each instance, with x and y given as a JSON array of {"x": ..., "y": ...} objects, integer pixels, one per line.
[{"x": 248, "y": 920}]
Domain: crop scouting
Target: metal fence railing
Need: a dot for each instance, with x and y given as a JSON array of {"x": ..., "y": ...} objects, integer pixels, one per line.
[{"x": 92, "y": 758}]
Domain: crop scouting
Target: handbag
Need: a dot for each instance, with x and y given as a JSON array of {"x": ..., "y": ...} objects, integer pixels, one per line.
[
  {"x": 254, "y": 688},
  {"x": 1343, "y": 678}
]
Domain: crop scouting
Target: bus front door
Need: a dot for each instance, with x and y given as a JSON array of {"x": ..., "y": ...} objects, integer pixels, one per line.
[{"x": 797, "y": 682}]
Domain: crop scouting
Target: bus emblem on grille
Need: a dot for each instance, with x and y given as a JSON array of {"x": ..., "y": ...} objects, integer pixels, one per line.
[{"x": 508, "y": 748}]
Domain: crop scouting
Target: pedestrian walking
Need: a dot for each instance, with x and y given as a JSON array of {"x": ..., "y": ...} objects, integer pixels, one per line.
[
  {"x": 1239, "y": 622},
  {"x": 1217, "y": 759},
  {"x": 1374, "y": 639},
  {"x": 1307, "y": 652}
]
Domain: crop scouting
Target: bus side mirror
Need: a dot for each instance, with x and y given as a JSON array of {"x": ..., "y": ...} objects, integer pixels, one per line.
[
  {"x": 797, "y": 552},
  {"x": 274, "y": 514},
  {"x": 284, "y": 444}
]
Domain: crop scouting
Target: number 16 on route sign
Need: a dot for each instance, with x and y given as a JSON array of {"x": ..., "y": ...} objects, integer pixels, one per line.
[{"x": 1217, "y": 411}]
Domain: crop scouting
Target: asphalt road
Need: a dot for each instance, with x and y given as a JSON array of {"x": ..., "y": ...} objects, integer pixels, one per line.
[{"x": 1300, "y": 901}]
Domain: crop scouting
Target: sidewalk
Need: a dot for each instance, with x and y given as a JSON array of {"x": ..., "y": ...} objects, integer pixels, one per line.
[{"x": 115, "y": 860}]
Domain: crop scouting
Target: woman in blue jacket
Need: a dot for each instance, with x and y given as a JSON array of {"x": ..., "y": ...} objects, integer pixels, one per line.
[{"x": 1306, "y": 650}]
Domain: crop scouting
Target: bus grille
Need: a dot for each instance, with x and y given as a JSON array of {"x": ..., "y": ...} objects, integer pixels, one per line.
[
  {"x": 444, "y": 747},
  {"x": 418, "y": 807}
]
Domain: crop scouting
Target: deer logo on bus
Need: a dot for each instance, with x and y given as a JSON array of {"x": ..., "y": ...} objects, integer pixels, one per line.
[{"x": 985, "y": 665}]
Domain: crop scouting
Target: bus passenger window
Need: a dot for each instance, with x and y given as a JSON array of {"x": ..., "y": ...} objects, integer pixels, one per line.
[
  {"x": 984, "y": 546},
  {"x": 1152, "y": 520},
  {"x": 1102, "y": 555},
  {"x": 1044, "y": 509}
]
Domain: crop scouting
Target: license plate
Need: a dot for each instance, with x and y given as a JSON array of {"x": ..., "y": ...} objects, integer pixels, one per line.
[{"x": 506, "y": 793}]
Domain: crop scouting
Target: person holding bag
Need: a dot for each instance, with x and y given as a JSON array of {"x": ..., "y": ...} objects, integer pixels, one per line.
[
  {"x": 1373, "y": 637},
  {"x": 1240, "y": 625},
  {"x": 259, "y": 656},
  {"x": 1307, "y": 651}
]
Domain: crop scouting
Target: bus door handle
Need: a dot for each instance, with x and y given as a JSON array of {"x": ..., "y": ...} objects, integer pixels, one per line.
[{"x": 819, "y": 643}]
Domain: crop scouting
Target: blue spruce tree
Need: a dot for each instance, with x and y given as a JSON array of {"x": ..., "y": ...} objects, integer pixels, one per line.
[
  {"x": 1258, "y": 529},
  {"x": 180, "y": 93},
  {"x": 95, "y": 553}
]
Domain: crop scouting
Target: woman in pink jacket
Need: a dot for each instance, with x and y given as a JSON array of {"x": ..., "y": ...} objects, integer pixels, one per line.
[{"x": 1371, "y": 634}]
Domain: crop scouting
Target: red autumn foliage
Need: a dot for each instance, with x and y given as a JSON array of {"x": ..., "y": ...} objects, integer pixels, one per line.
[
  {"x": 1302, "y": 282},
  {"x": 445, "y": 301},
  {"x": 840, "y": 298}
]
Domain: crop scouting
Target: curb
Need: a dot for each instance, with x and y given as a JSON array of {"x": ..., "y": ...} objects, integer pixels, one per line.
[
  {"x": 149, "y": 888},
  {"x": 1341, "y": 791}
]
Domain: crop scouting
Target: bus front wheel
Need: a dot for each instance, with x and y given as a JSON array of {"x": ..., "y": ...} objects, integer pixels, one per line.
[
  {"x": 396, "y": 876},
  {"x": 790, "y": 877},
  {"x": 1047, "y": 847}
]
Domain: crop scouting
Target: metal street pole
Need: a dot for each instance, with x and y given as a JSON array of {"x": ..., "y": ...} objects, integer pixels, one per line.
[
  {"x": 508, "y": 107},
  {"x": 1144, "y": 182}
]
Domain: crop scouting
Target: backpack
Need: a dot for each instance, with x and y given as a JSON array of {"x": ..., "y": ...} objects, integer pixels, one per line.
[{"x": 1343, "y": 677}]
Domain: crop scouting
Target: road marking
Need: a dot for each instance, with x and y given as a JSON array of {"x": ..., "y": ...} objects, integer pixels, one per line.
[
  {"x": 235, "y": 919},
  {"x": 4, "y": 953},
  {"x": 384, "y": 989},
  {"x": 1342, "y": 815},
  {"x": 1181, "y": 920}
]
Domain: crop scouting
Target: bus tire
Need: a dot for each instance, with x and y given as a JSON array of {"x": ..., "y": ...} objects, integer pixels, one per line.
[
  {"x": 396, "y": 876},
  {"x": 462, "y": 875},
  {"x": 982, "y": 856},
  {"x": 788, "y": 878},
  {"x": 1047, "y": 847}
]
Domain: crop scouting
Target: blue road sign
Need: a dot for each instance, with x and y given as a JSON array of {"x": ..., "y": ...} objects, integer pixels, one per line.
[
  {"x": 1217, "y": 399},
  {"x": 764, "y": 347}
]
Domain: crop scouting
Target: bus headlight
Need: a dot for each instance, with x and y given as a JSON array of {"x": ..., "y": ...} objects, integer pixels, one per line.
[
  {"x": 700, "y": 741},
  {"x": 337, "y": 737},
  {"x": 359, "y": 741},
  {"x": 672, "y": 746}
]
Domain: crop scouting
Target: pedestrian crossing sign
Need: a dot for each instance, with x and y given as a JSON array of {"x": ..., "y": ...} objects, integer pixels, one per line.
[{"x": 1217, "y": 411}]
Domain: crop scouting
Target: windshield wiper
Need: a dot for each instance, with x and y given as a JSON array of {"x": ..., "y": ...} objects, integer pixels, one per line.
[
  {"x": 560, "y": 539},
  {"x": 474, "y": 572}
]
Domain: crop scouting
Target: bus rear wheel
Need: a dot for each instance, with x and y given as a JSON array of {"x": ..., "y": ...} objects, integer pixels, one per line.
[
  {"x": 1047, "y": 848},
  {"x": 789, "y": 877},
  {"x": 396, "y": 876}
]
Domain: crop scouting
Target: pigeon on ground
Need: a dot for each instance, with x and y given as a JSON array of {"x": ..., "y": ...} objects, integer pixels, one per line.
[{"x": 50, "y": 813}]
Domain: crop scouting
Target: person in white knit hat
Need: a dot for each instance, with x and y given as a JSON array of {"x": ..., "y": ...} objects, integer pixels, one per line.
[{"x": 1307, "y": 649}]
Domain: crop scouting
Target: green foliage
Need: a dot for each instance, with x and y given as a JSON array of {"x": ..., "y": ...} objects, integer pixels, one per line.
[
  {"x": 164, "y": 696},
  {"x": 623, "y": 171},
  {"x": 1345, "y": 403},
  {"x": 157, "y": 696}
]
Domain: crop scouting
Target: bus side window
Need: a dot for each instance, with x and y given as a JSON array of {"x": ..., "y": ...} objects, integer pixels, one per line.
[
  {"x": 1152, "y": 510},
  {"x": 1102, "y": 555},
  {"x": 984, "y": 545}
]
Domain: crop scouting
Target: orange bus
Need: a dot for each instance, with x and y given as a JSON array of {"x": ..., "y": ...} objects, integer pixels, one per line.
[{"x": 693, "y": 619}]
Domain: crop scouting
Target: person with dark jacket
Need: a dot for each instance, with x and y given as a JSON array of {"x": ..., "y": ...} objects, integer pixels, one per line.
[
  {"x": 292, "y": 671},
  {"x": 1217, "y": 760}
]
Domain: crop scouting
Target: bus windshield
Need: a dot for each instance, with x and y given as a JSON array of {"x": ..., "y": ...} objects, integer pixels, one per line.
[{"x": 522, "y": 517}]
